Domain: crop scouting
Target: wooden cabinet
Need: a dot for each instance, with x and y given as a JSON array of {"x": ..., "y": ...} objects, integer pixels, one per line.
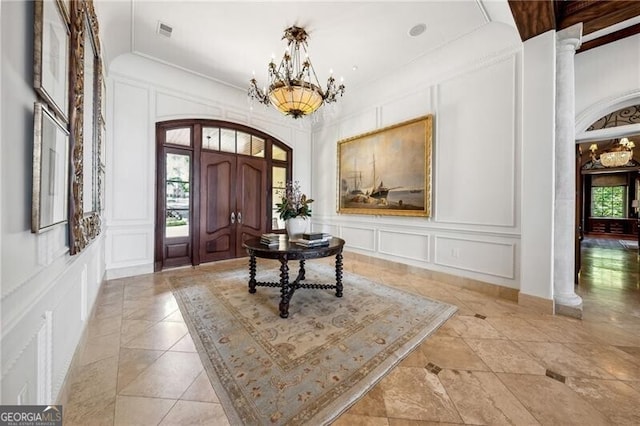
[{"x": 611, "y": 226}]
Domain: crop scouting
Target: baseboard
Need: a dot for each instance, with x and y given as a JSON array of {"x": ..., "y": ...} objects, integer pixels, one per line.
[
  {"x": 538, "y": 304},
  {"x": 494, "y": 290},
  {"x": 129, "y": 271}
]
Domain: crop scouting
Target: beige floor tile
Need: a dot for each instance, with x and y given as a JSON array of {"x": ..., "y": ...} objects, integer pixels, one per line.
[
  {"x": 132, "y": 362},
  {"x": 92, "y": 393},
  {"x": 160, "y": 336},
  {"x": 635, "y": 385},
  {"x": 618, "y": 363},
  {"x": 195, "y": 413},
  {"x": 481, "y": 398},
  {"x": 184, "y": 345},
  {"x": 99, "y": 347},
  {"x": 552, "y": 402},
  {"x": 139, "y": 411},
  {"x": 416, "y": 394},
  {"x": 562, "y": 330},
  {"x": 133, "y": 328},
  {"x": 517, "y": 329},
  {"x": 360, "y": 420},
  {"x": 201, "y": 390},
  {"x": 560, "y": 359},
  {"x": 104, "y": 326},
  {"x": 108, "y": 310},
  {"x": 617, "y": 400},
  {"x": 503, "y": 356},
  {"x": 175, "y": 317},
  {"x": 371, "y": 404},
  {"x": 168, "y": 377},
  {"x": 445, "y": 352},
  {"x": 405, "y": 422},
  {"x": 150, "y": 308},
  {"x": 474, "y": 328}
]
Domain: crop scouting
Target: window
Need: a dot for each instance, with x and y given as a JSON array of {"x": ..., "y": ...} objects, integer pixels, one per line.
[{"x": 608, "y": 201}]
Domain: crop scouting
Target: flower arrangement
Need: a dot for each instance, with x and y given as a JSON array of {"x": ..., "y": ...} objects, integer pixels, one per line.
[{"x": 294, "y": 203}]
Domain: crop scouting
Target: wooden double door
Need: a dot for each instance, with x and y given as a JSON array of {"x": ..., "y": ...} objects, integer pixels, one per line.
[
  {"x": 232, "y": 204},
  {"x": 225, "y": 204}
]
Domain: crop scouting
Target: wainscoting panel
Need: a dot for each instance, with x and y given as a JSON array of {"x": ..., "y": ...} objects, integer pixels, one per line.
[
  {"x": 358, "y": 238},
  {"x": 128, "y": 172},
  {"x": 482, "y": 256},
  {"x": 475, "y": 160},
  {"x": 168, "y": 105},
  {"x": 407, "y": 245},
  {"x": 129, "y": 247},
  {"x": 404, "y": 108}
]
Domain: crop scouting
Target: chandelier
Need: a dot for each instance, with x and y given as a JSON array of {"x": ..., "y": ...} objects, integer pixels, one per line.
[
  {"x": 619, "y": 155},
  {"x": 294, "y": 88}
]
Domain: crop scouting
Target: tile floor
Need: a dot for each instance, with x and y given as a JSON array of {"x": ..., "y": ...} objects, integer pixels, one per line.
[{"x": 492, "y": 363}]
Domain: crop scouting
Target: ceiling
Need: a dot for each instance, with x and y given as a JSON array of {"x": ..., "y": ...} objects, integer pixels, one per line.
[
  {"x": 227, "y": 41},
  {"x": 604, "y": 21},
  {"x": 360, "y": 41}
]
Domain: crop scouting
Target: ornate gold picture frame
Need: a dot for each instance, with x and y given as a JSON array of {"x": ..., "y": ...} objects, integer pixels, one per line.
[
  {"x": 387, "y": 171},
  {"x": 86, "y": 126}
]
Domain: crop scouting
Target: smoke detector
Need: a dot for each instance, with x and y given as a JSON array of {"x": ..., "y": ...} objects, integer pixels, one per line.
[{"x": 164, "y": 29}]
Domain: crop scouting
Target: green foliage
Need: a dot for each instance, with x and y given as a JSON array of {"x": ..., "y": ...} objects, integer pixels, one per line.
[
  {"x": 294, "y": 203},
  {"x": 178, "y": 222},
  {"x": 607, "y": 201}
]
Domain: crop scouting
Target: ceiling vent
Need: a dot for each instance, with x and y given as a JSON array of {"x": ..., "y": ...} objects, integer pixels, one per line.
[{"x": 164, "y": 29}]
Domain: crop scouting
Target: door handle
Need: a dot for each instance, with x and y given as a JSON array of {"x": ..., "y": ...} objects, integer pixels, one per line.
[
  {"x": 239, "y": 217},
  {"x": 233, "y": 217}
]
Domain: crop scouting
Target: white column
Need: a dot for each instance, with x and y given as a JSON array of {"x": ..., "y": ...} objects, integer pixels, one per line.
[{"x": 567, "y": 41}]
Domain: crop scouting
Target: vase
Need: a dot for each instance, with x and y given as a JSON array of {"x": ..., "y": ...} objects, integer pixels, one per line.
[{"x": 295, "y": 227}]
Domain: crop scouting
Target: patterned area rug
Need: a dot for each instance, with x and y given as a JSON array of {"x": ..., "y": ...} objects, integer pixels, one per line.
[
  {"x": 309, "y": 368},
  {"x": 629, "y": 244}
]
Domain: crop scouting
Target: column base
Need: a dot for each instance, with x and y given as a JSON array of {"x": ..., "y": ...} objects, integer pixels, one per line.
[{"x": 569, "y": 306}]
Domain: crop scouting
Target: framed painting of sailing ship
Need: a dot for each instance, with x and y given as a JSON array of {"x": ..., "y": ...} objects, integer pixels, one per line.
[{"x": 387, "y": 171}]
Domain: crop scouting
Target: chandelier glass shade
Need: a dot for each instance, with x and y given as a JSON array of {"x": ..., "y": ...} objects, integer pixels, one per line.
[
  {"x": 617, "y": 156},
  {"x": 294, "y": 88}
]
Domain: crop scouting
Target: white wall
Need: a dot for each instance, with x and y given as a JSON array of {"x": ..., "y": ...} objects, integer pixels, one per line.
[
  {"x": 539, "y": 90},
  {"x": 45, "y": 294},
  {"x": 607, "y": 78},
  {"x": 473, "y": 88},
  {"x": 141, "y": 93}
]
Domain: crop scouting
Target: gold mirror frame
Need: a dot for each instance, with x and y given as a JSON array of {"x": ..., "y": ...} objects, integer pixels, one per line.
[{"x": 84, "y": 226}]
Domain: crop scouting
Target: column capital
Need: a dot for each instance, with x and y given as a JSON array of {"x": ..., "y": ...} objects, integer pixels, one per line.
[{"x": 570, "y": 37}]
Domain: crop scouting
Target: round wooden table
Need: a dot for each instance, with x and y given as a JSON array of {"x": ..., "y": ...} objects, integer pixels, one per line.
[{"x": 285, "y": 251}]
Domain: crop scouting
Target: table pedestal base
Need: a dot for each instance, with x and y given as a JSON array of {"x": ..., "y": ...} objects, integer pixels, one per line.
[{"x": 287, "y": 289}]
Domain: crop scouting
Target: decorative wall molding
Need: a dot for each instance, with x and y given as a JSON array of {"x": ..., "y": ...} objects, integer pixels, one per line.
[
  {"x": 448, "y": 248},
  {"x": 45, "y": 359},
  {"x": 407, "y": 245},
  {"x": 599, "y": 109}
]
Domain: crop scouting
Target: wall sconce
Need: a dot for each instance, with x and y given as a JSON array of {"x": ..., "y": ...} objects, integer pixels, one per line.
[{"x": 634, "y": 204}]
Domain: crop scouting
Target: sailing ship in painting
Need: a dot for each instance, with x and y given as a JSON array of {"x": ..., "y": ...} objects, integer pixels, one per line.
[{"x": 378, "y": 195}]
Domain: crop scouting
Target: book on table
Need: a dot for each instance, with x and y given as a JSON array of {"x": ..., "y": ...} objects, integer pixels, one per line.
[
  {"x": 323, "y": 240},
  {"x": 316, "y": 236},
  {"x": 271, "y": 240}
]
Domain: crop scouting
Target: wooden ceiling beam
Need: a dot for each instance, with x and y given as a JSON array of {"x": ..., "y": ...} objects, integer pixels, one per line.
[
  {"x": 609, "y": 38},
  {"x": 596, "y": 15},
  {"x": 533, "y": 17}
]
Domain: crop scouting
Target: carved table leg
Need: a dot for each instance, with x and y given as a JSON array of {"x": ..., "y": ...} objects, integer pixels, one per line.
[
  {"x": 339, "y": 274},
  {"x": 302, "y": 271},
  {"x": 284, "y": 289},
  {"x": 252, "y": 272}
]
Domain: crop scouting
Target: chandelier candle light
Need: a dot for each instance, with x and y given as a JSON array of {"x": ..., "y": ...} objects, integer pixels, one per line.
[{"x": 294, "y": 88}]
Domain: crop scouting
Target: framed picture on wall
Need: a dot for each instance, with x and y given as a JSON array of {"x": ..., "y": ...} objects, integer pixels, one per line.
[
  {"x": 50, "y": 170},
  {"x": 51, "y": 55},
  {"x": 387, "y": 171}
]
